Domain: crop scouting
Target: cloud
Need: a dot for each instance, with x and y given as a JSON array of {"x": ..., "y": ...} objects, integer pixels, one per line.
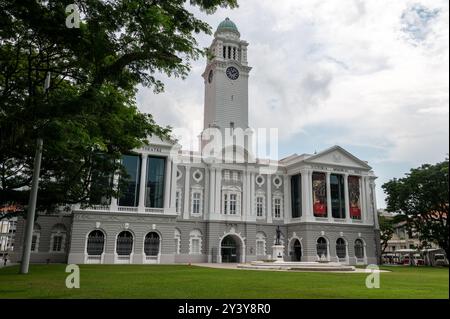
[{"x": 369, "y": 74}]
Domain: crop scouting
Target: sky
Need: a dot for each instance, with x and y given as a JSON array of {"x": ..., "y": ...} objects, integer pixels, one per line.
[{"x": 370, "y": 76}]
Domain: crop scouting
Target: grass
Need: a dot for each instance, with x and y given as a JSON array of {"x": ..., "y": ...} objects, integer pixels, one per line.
[{"x": 182, "y": 281}]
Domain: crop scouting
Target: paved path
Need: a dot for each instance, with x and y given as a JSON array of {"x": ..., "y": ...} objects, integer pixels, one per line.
[{"x": 234, "y": 266}]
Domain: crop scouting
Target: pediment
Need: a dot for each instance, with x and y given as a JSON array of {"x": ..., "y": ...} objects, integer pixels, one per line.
[{"x": 336, "y": 155}]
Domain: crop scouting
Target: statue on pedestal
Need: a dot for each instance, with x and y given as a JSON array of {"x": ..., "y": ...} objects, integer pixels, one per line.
[{"x": 278, "y": 231}]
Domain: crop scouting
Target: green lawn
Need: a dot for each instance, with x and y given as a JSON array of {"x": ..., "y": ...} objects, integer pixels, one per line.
[{"x": 180, "y": 281}]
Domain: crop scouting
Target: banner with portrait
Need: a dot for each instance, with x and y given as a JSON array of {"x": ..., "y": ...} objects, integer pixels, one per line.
[
  {"x": 319, "y": 190},
  {"x": 354, "y": 195}
]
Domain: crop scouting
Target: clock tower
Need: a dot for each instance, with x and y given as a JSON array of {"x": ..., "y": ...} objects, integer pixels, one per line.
[{"x": 226, "y": 80}]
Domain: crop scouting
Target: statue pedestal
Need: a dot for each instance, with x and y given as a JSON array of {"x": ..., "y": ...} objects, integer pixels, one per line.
[{"x": 278, "y": 253}]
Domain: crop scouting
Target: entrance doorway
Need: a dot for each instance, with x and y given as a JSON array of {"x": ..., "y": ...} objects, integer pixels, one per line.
[
  {"x": 229, "y": 250},
  {"x": 296, "y": 250}
]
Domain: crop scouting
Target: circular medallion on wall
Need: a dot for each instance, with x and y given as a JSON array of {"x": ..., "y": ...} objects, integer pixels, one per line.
[
  {"x": 277, "y": 181},
  {"x": 179, "y": 174},
  {"x": 197, "y": 175},
  {"x": 259, "y": 180}
]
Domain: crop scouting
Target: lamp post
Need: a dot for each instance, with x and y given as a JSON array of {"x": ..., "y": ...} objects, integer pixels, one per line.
[{"x": 25, "y": 264}]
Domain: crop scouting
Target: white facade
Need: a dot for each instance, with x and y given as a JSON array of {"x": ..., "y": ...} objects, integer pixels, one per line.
[{"x": 214, "y": 211}]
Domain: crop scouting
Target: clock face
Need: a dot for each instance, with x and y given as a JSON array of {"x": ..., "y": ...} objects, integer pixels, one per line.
[
  {"x": 210, "y": 76},
  {"x": 232, "y": 73}
]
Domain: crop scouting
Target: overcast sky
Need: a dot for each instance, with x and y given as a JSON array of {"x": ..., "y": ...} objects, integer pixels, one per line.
[{"x": 370, "y": 76}]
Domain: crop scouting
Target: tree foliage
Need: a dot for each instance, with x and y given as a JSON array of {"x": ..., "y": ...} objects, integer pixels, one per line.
[
  {"x": 88, "y": 116},
  {"x": 422, "y": 197},
  {"x": 386, "y": 231}
]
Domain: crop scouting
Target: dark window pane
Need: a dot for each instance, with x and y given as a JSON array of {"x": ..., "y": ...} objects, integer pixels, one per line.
[
  {"x": 337, "y": 195},
  {"x": 130, "y": 191},
  {"x": 359, "y": 248},
  {"x": 154, "y": 192},
  {"x": 151, "y": 244},
  {"x": 341, "y": 250},
  {"x": 124, "y": 243},
  {"x": 296, "y": 195},
  {"x": 95, "y": 243},
  {"x": 322, "y": 247}
]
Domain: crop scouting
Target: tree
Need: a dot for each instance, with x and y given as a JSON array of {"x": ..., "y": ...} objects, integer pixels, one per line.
[
  {"x": 88, "y": 116},
  {"x": 422, "y": 197},
  {"x": 386, "y": 231}
]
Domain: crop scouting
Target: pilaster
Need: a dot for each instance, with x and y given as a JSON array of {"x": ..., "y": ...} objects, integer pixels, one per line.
[
  {"x": 142, "y": 183},
  {"x": 187, "y": 192}
]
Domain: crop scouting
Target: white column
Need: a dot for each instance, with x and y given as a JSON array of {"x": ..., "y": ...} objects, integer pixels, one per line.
[
  {"x": 212, "y": 192},
  {"x": 252, "y": 196},
  {"x": 269, "y": 198},
  {"x": 206, "y": 209},
  {"x": 187, "y": 192},
  {"x": 347, "y": 204},
  {"x": 368, "y": 199},
  {"x": 248, "y": 194},
  {"x": 287, "y": 211},
  {"x": 329, "y": 211},
  {"x": 167, "y": 184},
  {"x": 173, "y": 190},
  {"x": 362, "y": 198},
  {"x": 304, "y": 194},
  {"x": 218, "y": 196},
  {"x": 374, "y": 212},
  {"x": 142, "y": 183},
  {"x": 244, "y": 211}
]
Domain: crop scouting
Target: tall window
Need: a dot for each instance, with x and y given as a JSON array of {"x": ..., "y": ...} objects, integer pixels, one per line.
[
  {"x": 195, "y": 242},
  {"x": 130, "y": 181},
  {"x": 124, "y": 245},
  {"x": 277, "y": 207},
  {"x": 233, "y": 199},
  {"x": 177, "y": 239},
  {"x": 95, "y": 243},
  {"x": 35, "y": 242},
  {"x": 319, "y": 188},
  {"x": 322, "y": 247},
  {"x": 354, "y": 197},
  {"x": 154, "y": 187},
  {"x": 260, "y": 244},
  {"x": 341, "y": 249},
  {"x": 57, "y": 238},
  {"x": 151, "y": 244},
  {"x": 296, "y": 195},
  {"x": 359, "y": 248},
  {"x": 196, "y": 202},
  {"x": 57, "y": 243},
  {"x": 337, "y": 195},
  {"x": 224, "y": 50},
  {"x": 259, "y": 206}
]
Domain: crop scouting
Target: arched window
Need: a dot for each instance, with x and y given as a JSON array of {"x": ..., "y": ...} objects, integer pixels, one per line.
[
  {"x": 95, "y": 243},
  {"x": 341, "y": 249},
  {"x": 58, "y": 238},
  {"x": 195, "y": 242},
  {"x": 177, "y": 239},
  {"x": 322, "y": 247},
  {"x": 151, "y": 244},
  {"x": 260, "y": 244},
  {"x": 124, "y": 245},
  {"x": 359, "y": 248}
]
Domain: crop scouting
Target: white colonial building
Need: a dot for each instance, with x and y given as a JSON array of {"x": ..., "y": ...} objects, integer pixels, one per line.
[{"x": 182, "y": 207}]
